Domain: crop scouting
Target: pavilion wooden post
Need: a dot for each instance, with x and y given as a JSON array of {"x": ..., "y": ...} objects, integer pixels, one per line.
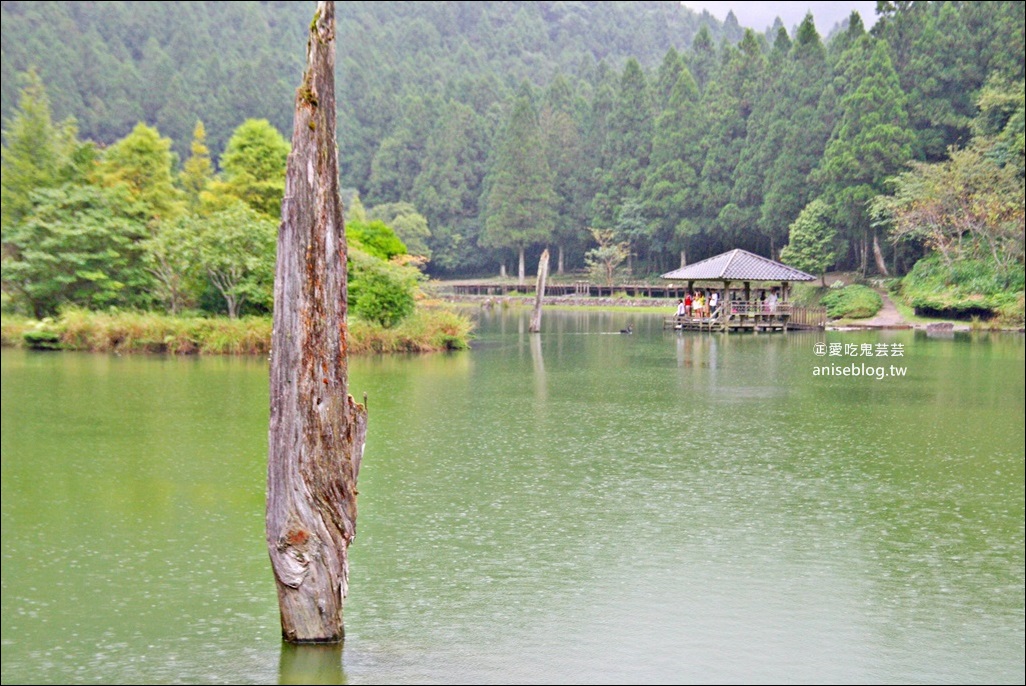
[
  {"x": 317, "y": 431},
  {"x": 783, "y": 299},
  {"x": 725, "y": 305},
  {"x": 543, "y": 273}
]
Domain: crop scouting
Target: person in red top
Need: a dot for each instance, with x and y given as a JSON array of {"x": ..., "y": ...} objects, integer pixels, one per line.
[{"x": 687, "y": 304}]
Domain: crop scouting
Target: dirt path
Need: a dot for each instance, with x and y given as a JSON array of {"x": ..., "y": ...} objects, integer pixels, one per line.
[{"x": 887, "y": 318}]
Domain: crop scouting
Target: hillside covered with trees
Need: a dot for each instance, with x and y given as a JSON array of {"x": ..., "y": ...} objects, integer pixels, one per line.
[{"x": 476, "y": 134}]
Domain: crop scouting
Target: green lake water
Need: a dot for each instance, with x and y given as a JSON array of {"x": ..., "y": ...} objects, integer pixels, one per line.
[{"x": 577, "y": 506}]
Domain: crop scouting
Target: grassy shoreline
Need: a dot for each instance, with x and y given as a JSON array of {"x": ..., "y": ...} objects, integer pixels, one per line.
[
  {"x": 429, "y": 329},
  {"x": 435, "y": 326}
]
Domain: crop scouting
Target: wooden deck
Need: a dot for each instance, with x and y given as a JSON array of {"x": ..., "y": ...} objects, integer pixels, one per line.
[{"x": 754, "y": 315}]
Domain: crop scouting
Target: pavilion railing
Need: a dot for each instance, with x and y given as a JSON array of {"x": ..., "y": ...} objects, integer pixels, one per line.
[
  {"x": 808, "y": 317},
  {"x": 755, "y": 313}
]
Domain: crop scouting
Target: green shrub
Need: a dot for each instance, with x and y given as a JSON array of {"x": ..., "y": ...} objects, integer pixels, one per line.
[
  {"x": 380, "y": 292},
  {"x": 852, "y": 302},
  {"x": 42, "y": 339},
  {"x": 375, "y": 238},
  {"x": 964, "y": 289},
  {"x": 427, "y": 329}
]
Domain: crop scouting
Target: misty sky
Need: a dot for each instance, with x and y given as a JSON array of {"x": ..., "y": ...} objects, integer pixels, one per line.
[{"x": 760, "y": 15}]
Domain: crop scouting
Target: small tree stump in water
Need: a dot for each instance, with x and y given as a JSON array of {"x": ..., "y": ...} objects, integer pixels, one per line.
[{"x": 317, "y": 431}]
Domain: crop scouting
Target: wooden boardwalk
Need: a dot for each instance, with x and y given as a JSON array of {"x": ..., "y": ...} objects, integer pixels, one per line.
[
  {"x": 737, "y": 315},
  {"x": 579, "y": 288}
]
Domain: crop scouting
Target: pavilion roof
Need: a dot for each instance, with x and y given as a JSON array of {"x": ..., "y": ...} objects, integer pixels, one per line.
[{"x": 738, "y": 265}]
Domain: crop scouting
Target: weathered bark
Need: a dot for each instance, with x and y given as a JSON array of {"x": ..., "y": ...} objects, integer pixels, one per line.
[
  {"x": 543, "y": 274},
  {"x": 317, "y": 431}
]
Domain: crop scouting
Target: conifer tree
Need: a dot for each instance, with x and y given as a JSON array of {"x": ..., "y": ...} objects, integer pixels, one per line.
[
  {"x": 628, "y": 144},
  {"x": 143, "y": 162},
  {"x": 666, "y": 78},
  {"x": 36, "y": 153},
  {"x": 564, "y": 150},
  {"x": 727, "y": 104},
  {"x": 763, "y": 136},
  {"x": 198, "y": 170},
  {"x": 870, "y": 142},
  {"x": 803, "y": 135},
  {"x": 702, "y": 60},
  {"x": 447, "y": 188},
  {"x": 670, "y": 193},
  {"x": 595, "y": 131},
  {"x": 253, "y": 166},
  {"x": 520, "y": 204}
]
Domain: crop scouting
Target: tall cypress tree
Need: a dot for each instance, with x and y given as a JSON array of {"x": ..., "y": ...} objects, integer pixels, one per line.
[
  {"x": 666, "y": 78},
  {"x": 728, "y": 104},
  {"x": 870, "y": 142},
  {"x": 36, "y": 153},
  {"x": 763, "y": 137},
  {"x": 520, "y": 203},
  {"x": 670, "y": 193},
  {"x": 564, "y": 148},
  {"x": 447, "y": 189},
  {"x": 804, "y": 134},
  {"x": 702, "y": 60},
  {"x": 628, "y": 144},
  {"x": 198, "y": 170},
  {"x": 595, "y": 131},
  {"x": 943, "y": 53},
  {"x": 399, "y": 157}
]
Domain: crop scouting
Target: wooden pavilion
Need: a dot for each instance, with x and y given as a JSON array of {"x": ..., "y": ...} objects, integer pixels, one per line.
[{"x": 752, "y": 293}]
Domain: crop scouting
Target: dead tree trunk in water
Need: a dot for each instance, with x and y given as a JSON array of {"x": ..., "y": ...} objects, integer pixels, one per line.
[
  {"x": 317, "y": 431},
  {"x": 543, "y": 274}
]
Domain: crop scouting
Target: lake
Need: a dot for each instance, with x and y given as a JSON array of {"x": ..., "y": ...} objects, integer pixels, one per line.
[{"x": 577, "y": 506}]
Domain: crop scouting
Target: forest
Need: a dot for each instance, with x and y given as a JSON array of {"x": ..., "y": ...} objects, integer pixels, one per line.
[{"x": 144, "y": 146}]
